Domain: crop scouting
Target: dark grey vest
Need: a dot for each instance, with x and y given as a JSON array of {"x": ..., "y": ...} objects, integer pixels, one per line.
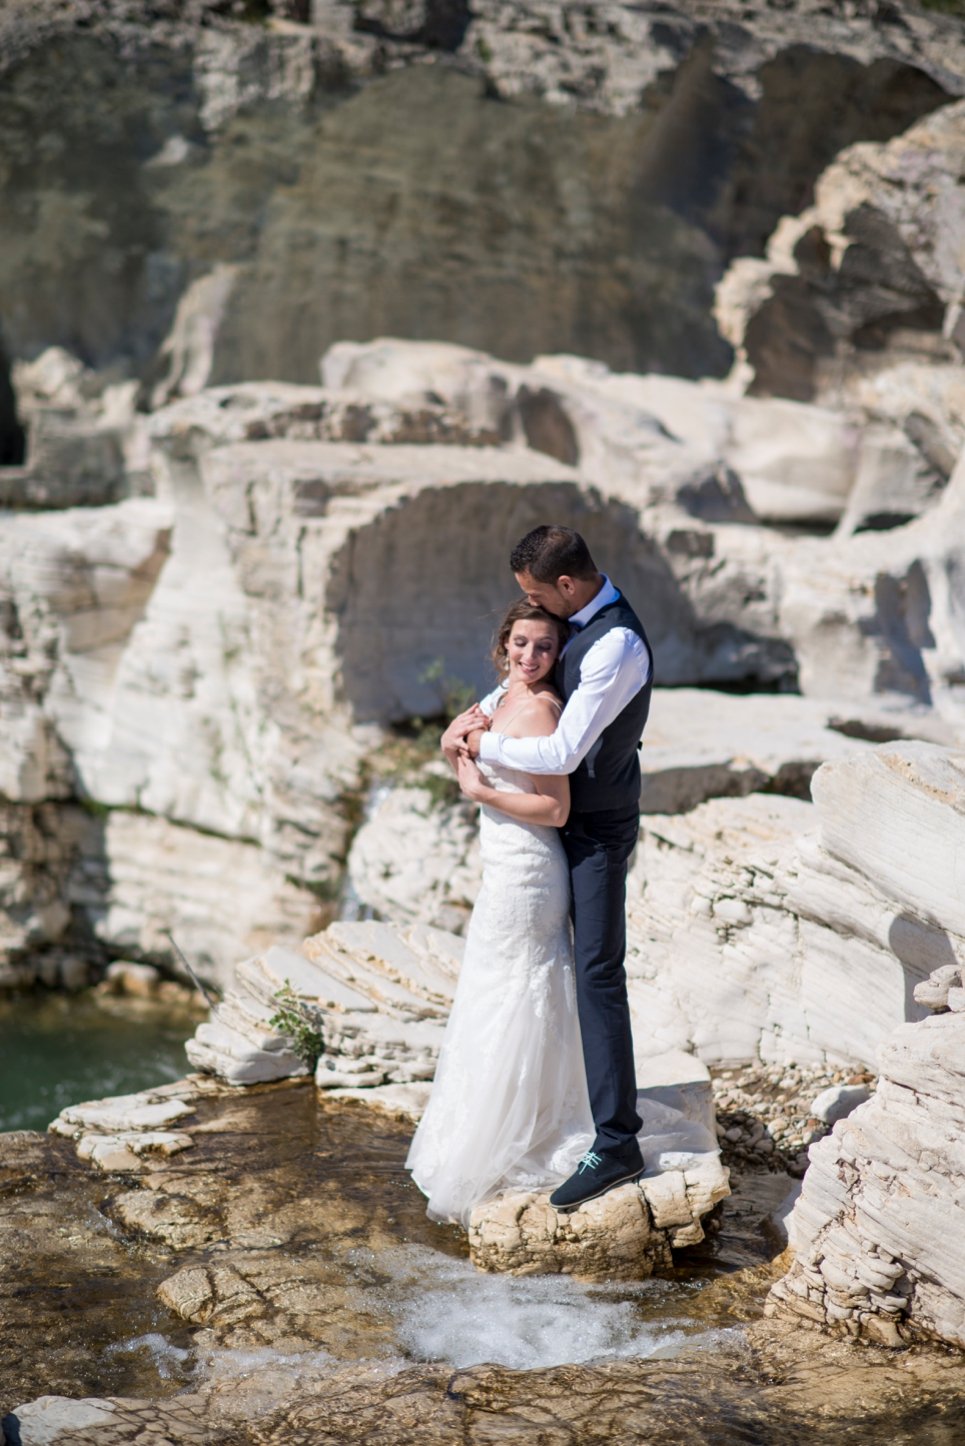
[{"x": 609, "y": 776}]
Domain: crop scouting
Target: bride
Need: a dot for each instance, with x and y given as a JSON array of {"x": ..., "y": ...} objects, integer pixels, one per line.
[{"x": 509, "y": 1106}]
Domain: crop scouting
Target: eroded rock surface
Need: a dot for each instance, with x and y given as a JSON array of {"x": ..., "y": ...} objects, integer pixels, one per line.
[
  {"x": 876, "y": 1231},
  {"x": 195, "y": 679},
  {"x": 868, "y": 277},
  {"x": 630, "y": 1232},
  {"x": 270, "y": 1285},
  {"x": 673, "y": 140},
  {"x": 787, "y": 909},
  {"x": 751, "y": 917}
]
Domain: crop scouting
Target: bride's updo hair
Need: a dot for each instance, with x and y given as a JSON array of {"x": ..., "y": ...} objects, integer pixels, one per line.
[{"x": 522, "y": 611}]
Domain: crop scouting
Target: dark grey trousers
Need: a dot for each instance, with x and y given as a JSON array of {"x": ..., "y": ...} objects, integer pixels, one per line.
[{"x": 598, "y": 847}]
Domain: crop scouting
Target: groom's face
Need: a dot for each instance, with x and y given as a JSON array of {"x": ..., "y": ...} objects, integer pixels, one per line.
[{"x": 556, "y": 597}]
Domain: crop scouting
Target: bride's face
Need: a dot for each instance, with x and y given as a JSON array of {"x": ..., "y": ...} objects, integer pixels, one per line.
[{"x": 532, "y": 648}]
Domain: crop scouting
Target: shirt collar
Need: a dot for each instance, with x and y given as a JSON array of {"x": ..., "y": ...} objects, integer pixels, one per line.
[{"x": 607, "y": 594}]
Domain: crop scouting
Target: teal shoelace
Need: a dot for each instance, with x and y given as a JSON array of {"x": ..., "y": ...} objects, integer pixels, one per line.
[{"x": 589, "y": 1161}]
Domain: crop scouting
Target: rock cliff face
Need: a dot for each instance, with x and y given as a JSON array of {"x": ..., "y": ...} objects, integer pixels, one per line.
[
  {"x": 192, "y": 680},
  {"x": 752, "y": 918},
  {"x": 867, "y": 278},
  {"x": 877, "y": 1230},
  {"x": 560, "y": 180},
  {"x": 210, "y": 615}
]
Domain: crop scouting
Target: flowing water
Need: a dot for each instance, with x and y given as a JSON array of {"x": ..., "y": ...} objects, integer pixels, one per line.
[{"x": 357, "y": 1296}]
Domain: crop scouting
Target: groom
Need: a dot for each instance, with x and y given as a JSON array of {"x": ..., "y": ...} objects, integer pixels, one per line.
[{"x": 605, "y": 675}]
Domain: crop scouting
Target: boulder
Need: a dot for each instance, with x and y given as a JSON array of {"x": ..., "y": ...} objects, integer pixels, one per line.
[
  {"x": 868, "y": 277},
  {"x": 837, "y": 1102},
  {"x": 775, "y": 927},
  {"x": 878, "y": 1225},
  {"x": 631, "y": 1231}
]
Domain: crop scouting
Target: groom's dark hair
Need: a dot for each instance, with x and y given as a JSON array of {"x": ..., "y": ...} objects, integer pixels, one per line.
[{"x": 550, "y": 552}]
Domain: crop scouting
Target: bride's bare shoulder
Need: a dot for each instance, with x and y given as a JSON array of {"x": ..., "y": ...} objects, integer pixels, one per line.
[{"x": 539, "y": 717}]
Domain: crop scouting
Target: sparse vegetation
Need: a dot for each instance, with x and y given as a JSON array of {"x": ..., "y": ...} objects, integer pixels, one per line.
[{"x": 301, "y": 1022}]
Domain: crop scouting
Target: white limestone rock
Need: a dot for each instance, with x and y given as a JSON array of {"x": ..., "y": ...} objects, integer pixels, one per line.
[
  {"x": 127, "y": 1113},
  {"x": 415, "y": 857},
  {"x": 933, "y": 992},
  {"x": 122, "y": 1134},
  {"x": 125, "y": 1152},
  {"x": 897, "y": 815},
  {"x": 837, "y": 1102},
  {"x": 140, "y": 980},
  {"x": 631, "y": 1231},
  {"x": 878, "y": 615},
  {"x": 700, "y": 745},
  {"x": 382, "y": 995},
  {"x": 880, "y": 1222},
  {"x": 878, "y": 253},
  {"x": 767, "y": 926},
  {"x": 211, "y": 665}
]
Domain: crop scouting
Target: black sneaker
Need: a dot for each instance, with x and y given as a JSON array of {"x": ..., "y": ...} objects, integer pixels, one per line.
[{"x": 594, "y": 1175}]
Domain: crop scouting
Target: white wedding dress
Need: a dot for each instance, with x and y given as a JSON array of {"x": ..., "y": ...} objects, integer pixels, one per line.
[{"x": 509, "y": 1106}]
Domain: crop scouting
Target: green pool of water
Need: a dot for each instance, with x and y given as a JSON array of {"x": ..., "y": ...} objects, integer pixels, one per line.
[{"x": 60, "y": 1049}]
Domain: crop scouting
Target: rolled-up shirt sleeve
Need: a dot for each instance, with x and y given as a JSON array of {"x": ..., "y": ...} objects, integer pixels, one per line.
[{"x": 614, "y": 670}]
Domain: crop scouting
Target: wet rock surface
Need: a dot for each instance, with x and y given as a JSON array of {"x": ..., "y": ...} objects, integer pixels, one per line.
[
  {"x": 271, "y": 1256},
  {"x": 631, "y": 1231}
]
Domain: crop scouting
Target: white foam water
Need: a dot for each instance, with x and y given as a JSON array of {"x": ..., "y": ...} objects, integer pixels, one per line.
[
  {"x": 445, "y": 1310},
  {"x": 233, "y": 1364},
  {"x": 167, "y": 1357}
]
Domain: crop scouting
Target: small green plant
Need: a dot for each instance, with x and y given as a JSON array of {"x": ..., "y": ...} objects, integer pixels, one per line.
[
  {"x": 93, "y": 806},
  {"x": 301, "y": 1022}
]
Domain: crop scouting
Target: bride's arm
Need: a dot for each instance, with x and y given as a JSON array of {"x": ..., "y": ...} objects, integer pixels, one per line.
[{"x": 549, "y": 805}]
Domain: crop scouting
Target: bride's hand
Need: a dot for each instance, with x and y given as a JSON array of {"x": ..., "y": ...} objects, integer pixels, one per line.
[
  {"x": 473, "y": 718},
  {"x": 470, "y": 779}
]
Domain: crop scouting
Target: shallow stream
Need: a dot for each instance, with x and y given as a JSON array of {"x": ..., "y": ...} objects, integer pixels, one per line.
[{"x": 329, "y": 1283}]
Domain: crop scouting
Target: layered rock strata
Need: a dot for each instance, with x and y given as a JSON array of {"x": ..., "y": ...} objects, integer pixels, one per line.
[
  {"x": 753, "y": 921},
  {"x": 878, "y": 1226},
  {"x": 630, "y": 1232},
  {"x": 672, "y": 140},
  {"x": 868, "y": 278},
  {"x": 384, "y": 992},
  {"x": 193, "y": 677},
  {"x": 751, "y": 918},
  {"x": 415, "y": 855},
  {"x": 746, "y": 930}
]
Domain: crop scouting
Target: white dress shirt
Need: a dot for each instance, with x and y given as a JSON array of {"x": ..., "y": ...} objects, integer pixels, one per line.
[{"x": 615, "y": 668}]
